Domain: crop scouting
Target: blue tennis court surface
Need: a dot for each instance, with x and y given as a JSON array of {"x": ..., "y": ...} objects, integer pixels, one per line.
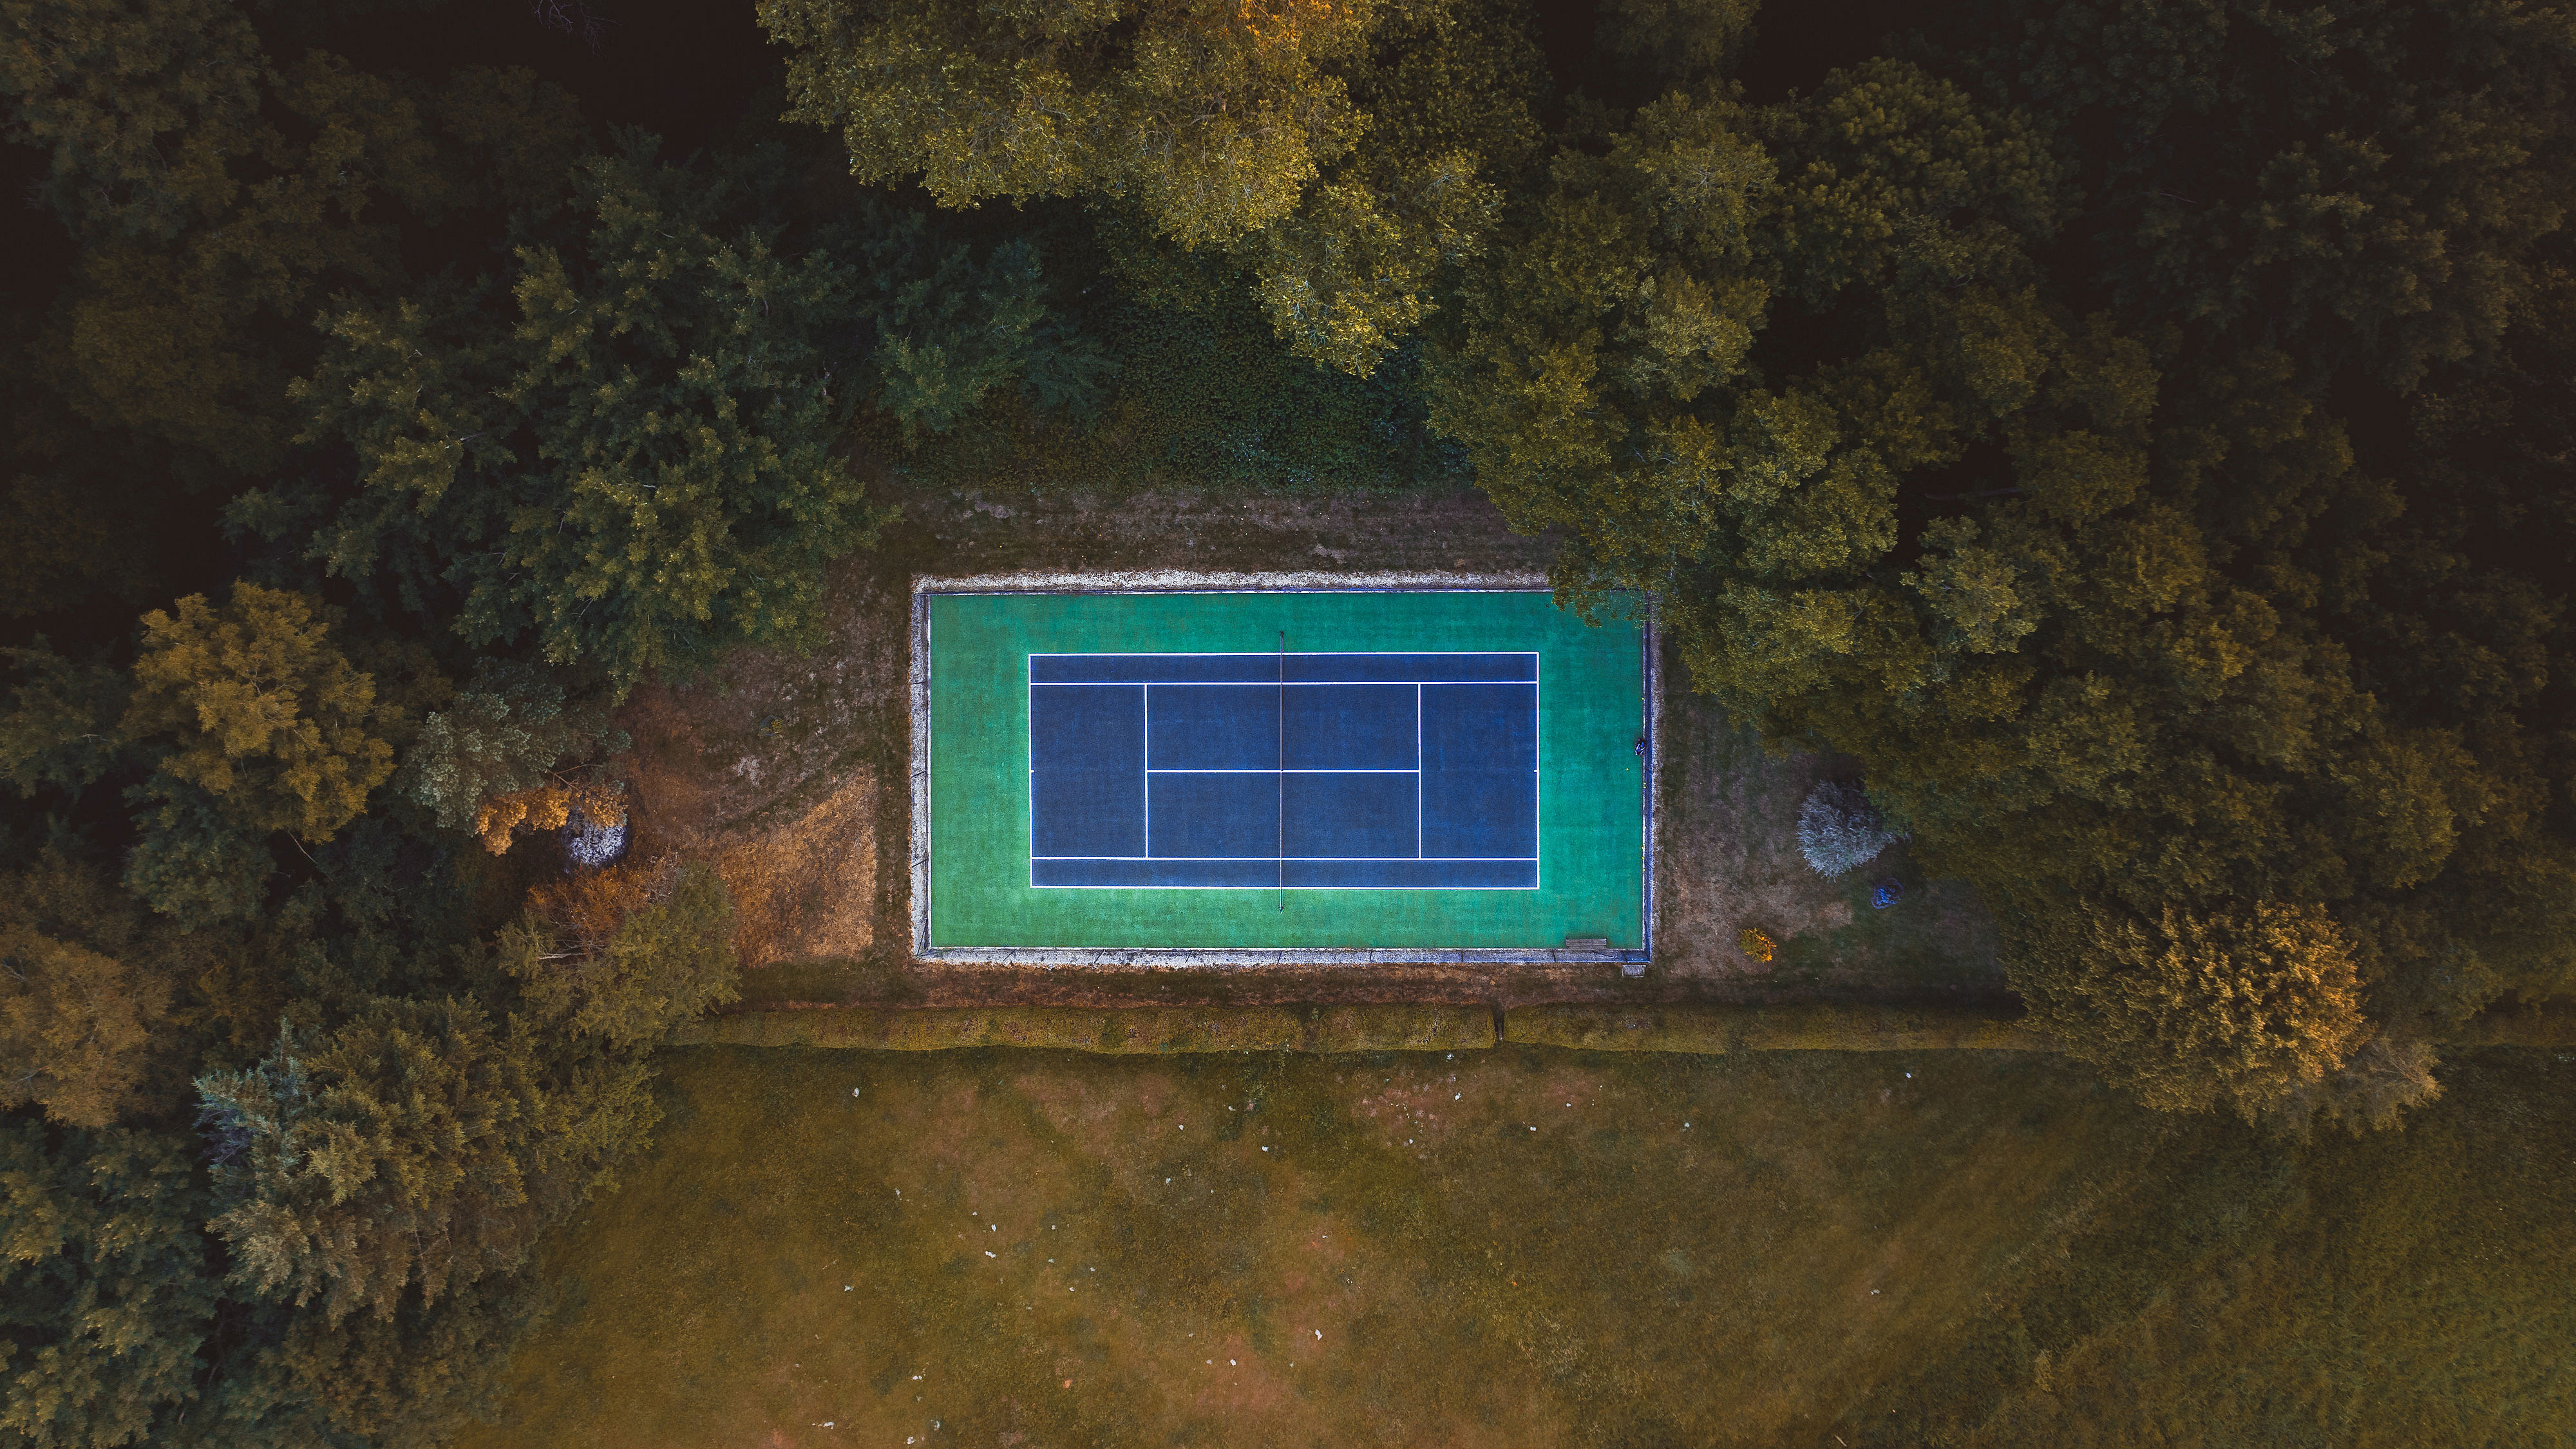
[{"x": 1284, "y": 770}]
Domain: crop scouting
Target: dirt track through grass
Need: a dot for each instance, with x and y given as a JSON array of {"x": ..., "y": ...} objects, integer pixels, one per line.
[{"x": 1518, "y": 1247}]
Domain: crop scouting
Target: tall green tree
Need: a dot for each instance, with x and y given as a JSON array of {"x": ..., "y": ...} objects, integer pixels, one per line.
[
  {"x": 622, "y": 458},
  {"x": 513, "y": 729},
  {"x": 106, "y": 1291},
  {"x": 416, "y": 1149}
]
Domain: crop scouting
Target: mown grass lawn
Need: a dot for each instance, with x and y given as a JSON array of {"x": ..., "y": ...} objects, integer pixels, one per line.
[{"x": 1530, "y": 1247}]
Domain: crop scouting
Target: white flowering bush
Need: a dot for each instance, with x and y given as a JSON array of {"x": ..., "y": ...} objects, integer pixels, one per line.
[{"x": 1839, "y": 830}]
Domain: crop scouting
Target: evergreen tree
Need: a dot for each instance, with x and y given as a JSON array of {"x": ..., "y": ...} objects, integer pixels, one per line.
[
  {"x": 1839, "y": 831},
  {"x": 497, "y": 755},
  {"x": 416, "y": 1148}
]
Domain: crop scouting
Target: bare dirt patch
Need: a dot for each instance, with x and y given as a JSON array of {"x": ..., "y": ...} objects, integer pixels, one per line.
[{"x": 807, "y": 889}]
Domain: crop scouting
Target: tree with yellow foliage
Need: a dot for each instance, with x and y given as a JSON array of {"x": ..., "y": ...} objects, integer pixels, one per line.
[
  {"x": 2192, "y": 1010},
  {"x": 260, "y": 710},
  {"x": 73, "y": 1025},
  {"x": 81, "y": 993},
  {"x": 254, "y": 722}
]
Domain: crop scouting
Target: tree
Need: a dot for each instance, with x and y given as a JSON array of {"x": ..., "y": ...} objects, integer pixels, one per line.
[
  {"x": 83, "y": 988},
  {"x": 416, "y": 1148},
  {"x": 497, "y": 756},
  {"x": 295, "y": 1379},
  {"x": 105, "y": 1291},
  {"x": 2088, "y": 530},
  {"x": 1343, "y": 152},
  {"x": 1451, "y": 93},
  {"x": 1604, "y": 377},
  {"x": 219, "y": 198},
  {"x": 194, "y": 861},
  {"x": 2361, "y": 188},
  {"x": 73, "y": 1027},
  {"x": 261, "y": 711},
  {"x": 625, "y": 954},
  {"x": 2192, "y": 1011},
  {"x": 1677, "y": 40},
  {"x": 634, "y": 470},
  {"x": 952, "y": 328},
  {"x": 1215, "y": 116},
  {"x": 59, "y": 727}
]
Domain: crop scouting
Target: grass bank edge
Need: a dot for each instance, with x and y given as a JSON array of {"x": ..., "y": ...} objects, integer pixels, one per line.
[{"x": 1699, "y": 1030}]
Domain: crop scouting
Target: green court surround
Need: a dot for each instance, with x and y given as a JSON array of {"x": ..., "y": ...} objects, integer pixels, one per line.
[{"x": 1593, "y": 692}]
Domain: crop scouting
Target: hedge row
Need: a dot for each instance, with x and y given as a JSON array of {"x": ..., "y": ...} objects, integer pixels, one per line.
[
  {"x": 1118, "y": 1030},
  {"x": 1713, "y": 1029},
  {"x": 1698, "y": 1029}
]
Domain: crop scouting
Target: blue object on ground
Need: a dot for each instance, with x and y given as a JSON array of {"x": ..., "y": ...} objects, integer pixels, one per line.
[
  {"x": 1386, "y": 771},
  {"x": 1886, "y": 893}
]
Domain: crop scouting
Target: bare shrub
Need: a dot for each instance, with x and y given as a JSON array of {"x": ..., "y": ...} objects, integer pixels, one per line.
[{"x": 1839, "y": 830}]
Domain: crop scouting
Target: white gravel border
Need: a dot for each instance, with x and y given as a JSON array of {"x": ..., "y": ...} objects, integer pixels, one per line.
[{"x": 1145, "y": 581}]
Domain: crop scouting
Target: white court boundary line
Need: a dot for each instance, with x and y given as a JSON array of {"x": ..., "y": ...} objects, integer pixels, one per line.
[
  {"x": 1538, "y": 766},
  {"x": 1631, "y": 961}
]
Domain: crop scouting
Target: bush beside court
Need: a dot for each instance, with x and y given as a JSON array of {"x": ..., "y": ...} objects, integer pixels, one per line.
[{"x": 1117, "y": 1031}]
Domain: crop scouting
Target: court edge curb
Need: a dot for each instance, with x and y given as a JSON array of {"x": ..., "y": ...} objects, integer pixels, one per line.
[{"x": 1631, "y": 962}]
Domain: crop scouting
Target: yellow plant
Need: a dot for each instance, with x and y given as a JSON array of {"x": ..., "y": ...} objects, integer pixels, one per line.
[
  {"x": 546, "y": 807},
  {"x": 262, "y": 711}
]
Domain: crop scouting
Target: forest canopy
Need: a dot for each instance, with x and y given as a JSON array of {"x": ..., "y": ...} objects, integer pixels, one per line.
[{"x": 2138, "y": 433}]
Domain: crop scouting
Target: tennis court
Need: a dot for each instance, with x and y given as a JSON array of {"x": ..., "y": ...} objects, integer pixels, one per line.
[{"x": 1255, "y": 774}]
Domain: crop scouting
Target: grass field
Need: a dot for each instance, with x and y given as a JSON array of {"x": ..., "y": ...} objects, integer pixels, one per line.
[
  {"x": 1591, "y": 804},
  {"x": 1531, "y": 1247}
]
